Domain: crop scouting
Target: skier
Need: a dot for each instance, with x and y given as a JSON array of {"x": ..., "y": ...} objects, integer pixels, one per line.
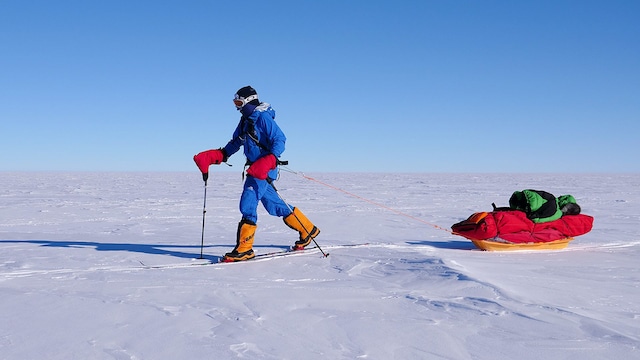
[{"x": 263, "y": 143}]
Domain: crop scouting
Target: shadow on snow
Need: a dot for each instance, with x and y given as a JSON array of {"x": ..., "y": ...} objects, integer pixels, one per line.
[
  {"x": 455, "y": 245},
  {"x": 154, "y": 249}
]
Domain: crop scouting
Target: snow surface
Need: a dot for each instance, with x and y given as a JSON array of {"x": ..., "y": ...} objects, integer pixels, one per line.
[{"x": 74, "y": 285}]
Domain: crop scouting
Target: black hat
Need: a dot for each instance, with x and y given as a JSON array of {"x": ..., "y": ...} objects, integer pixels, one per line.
[{"x": 246, "y": 91}]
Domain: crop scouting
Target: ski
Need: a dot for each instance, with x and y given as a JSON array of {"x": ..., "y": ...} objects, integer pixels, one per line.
[
  {"x": 291, "y": 252},
  {"x": 274, "y": 254},
  {"x": 259, "y": 257},
  {"x": 256, "y": 258}
]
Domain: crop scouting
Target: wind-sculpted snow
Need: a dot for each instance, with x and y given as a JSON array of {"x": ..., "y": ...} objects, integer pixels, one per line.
[{"x": 101, "y": 266}]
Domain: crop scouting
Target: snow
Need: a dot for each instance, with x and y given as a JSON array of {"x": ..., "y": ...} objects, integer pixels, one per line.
[{"x": 74, "y": 285}]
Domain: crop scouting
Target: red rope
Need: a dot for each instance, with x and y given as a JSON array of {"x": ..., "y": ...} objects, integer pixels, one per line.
[{"x": 374, "y": 203}]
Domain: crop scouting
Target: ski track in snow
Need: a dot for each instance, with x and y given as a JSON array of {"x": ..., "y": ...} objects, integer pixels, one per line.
[{"x": 74, "y": 252}]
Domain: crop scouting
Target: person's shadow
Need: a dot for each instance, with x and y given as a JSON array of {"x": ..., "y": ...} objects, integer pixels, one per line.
[{"x": 154, "y": 249}]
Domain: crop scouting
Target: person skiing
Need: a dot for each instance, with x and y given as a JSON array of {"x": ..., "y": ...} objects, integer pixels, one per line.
[{"x": 264, "y": 143}]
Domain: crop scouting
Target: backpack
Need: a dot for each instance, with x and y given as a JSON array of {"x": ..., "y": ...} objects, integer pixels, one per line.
[{"x": 540, "y": 206}]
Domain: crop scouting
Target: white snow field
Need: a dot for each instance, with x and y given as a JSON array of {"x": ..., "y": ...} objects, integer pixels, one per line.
[{"x": 98, "y": 266}]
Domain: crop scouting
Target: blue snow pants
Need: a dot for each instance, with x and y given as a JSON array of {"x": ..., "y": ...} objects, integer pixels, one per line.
[{"x": 255, "y": 191}]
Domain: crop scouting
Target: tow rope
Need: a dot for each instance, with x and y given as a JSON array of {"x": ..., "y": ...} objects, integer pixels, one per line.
[{"x": 366, "y": 200}]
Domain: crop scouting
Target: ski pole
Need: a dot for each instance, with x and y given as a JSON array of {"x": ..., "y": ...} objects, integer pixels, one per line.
[
  {"x": 204, "y": 211},
  {"x": 270, "y": 181}
]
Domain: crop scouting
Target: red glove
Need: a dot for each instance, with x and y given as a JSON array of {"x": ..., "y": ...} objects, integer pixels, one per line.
[
  {"x": 206, "y": 158},
  {"x": 261, "y": 167}
]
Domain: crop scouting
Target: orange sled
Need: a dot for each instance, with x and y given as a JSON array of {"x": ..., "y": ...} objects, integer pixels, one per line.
[{"x": 492, "y": 245}]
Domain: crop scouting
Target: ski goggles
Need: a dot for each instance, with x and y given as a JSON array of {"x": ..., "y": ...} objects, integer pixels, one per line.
[{"x": 239, "y": 101}]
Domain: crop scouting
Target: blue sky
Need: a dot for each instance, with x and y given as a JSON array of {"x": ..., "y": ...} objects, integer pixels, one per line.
[{"x": 384, "y": 86}]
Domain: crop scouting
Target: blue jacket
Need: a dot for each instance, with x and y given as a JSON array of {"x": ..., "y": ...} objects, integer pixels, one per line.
[{"x": 258, "y": 133}]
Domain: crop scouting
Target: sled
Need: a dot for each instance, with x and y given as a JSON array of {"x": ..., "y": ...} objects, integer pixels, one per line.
[
  {"x": 492, "y": 245},
  {"x": 534, "y": 220},
  {"x": 512, "y": 230}
]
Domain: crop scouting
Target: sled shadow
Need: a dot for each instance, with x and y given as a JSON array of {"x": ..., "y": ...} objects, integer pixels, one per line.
[
  {"x": 454, "y": 245},
  {"x": 153, "y": 249}
]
